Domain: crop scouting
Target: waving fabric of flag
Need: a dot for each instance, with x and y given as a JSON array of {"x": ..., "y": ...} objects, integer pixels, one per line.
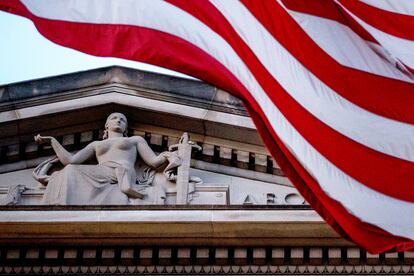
[{"x": 328, "y": 83}]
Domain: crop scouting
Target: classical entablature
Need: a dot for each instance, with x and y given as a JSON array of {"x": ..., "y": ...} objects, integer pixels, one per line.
[{"x": 242, "y": 214}]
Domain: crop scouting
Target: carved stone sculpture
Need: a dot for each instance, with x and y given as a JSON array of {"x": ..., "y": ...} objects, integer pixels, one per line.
[
  {"x": 14, "y": 193},
  {"x": 184, "y": 187},
  {"x": 115, "y": 179}
]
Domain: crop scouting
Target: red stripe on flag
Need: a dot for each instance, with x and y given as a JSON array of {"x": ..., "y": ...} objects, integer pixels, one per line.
[
  {"x": 15, "y": 7},
  {"x": 320, "y": 8}
]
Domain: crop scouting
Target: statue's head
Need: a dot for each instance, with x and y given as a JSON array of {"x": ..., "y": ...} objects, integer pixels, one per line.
[{"x": 116, "y": 122}]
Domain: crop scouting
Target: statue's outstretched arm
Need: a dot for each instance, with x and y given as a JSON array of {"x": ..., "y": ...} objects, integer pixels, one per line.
[
  {"x": 63, "y": 155},
  {"x": 149, "y": 157}
]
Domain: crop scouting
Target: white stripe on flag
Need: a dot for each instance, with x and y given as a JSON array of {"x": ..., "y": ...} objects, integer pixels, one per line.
[{"x": 405, "y": 7}]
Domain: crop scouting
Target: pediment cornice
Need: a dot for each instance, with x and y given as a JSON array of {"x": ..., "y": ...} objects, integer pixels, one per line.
[{"x": 119, "y": 80}]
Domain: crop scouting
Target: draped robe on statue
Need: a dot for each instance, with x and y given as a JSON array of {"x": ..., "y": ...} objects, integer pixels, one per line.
[
  {"x": 89, "y": 184},
  {"x": 101, "y": 184}
]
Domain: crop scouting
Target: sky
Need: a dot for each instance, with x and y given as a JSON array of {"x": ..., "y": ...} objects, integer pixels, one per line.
[{"x": 25, "y": 54}]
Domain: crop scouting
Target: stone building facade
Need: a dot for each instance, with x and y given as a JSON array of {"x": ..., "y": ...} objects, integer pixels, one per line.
[{"x": 243, "y": 215}]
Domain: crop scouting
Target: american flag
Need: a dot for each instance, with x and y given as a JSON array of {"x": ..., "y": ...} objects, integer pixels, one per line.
[{"x": 328, "y": 83}]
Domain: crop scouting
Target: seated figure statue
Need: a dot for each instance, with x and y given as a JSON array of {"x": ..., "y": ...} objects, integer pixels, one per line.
[{"x": 113, "y": 180}]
